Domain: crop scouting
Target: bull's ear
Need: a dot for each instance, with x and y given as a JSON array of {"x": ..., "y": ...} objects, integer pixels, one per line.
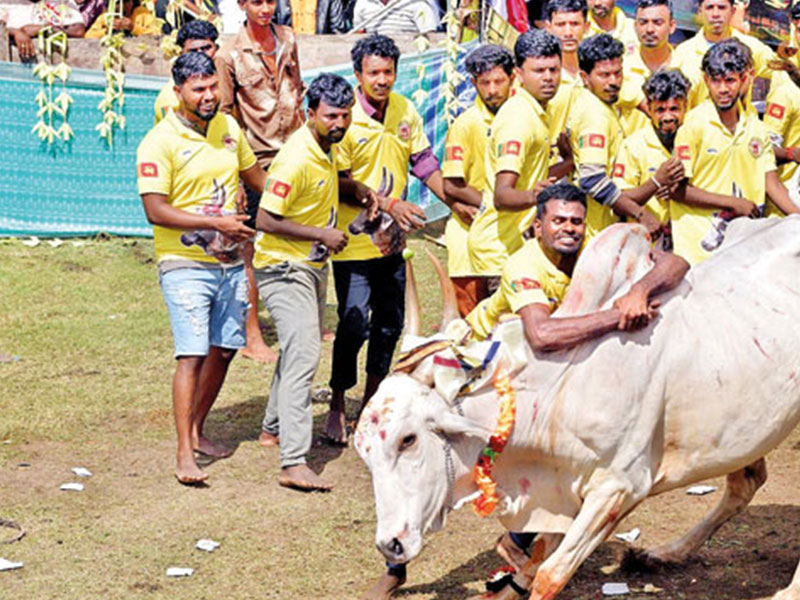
[{"x": 450, "y": 423}]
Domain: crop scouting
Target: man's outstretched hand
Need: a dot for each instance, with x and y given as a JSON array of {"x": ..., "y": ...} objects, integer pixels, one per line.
[{"x": 635, "y": 311}]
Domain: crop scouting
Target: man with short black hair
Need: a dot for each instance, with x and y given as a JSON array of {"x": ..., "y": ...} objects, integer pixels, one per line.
[
  {"x": 727, "y": 157},
  {"x": 645, "y": 170},
  {"x": 385, "y": 138},
  {"x": 606, "y": 17},
  {"x": 194, "y": 36},
  {"x": 298, "y": 213},
  {"x": 492, "y": 71},
  {"x": 596, "y": 134},
  {"x": 198, "y": 243}
]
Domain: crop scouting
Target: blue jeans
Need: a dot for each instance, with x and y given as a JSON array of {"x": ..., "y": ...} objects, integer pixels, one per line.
[
  {"x": 371, "y": 297},
  {"x": 207, "y": 307}
]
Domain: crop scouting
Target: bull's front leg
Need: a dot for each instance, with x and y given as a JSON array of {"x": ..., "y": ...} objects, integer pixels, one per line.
[{"x": 601, "y": 511}]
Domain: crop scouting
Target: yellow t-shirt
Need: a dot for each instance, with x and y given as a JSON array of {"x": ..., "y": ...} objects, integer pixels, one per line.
[
  {"x": 464, "y": 151},
  {"x": 377, "y": 154},
  {"x": 528, "y": 278},
  {"x": 560, "y": 105},
  {"x": 638, "y": 159},
  {"x": 166, "y": 100},
  {"x": 623, "y": 31},
  {"x": 198, "y": 175},
  {"x": 519, "y": 142},
  {"x": 144, "y": 23},
  {"x": 717, "y": 161},
  {"x": 595, "y": 135},
  {"x": 782, "y": 118},
  {"x": 303, "y": 187},
  {"x": 688, "y": 57}
]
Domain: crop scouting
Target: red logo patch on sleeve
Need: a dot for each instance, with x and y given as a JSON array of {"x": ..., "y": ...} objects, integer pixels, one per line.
[
  {"x": 525, "y": 283},
  {"x": 597, "y": 140},
  {"x": 148, "y": 170},
  {"x": 278, "y": 188},
  {"x": 776, "y": 110},
  {"x": 683, "y": 153},
  {"x": 512, "y": 147},
  {"x": 619, "y": 170},
  {"x": 454, "y": 153}
]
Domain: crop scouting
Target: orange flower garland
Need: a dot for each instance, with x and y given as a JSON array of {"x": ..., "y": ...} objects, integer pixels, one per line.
[{"x": 485, "y": 504}]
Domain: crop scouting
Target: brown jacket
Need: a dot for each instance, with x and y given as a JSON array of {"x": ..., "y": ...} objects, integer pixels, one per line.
[{"x": 268, "y": 105}]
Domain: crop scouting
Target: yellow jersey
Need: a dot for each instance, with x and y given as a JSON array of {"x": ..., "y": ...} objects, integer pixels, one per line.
[
  {"x": 377, "y": 154},
  {"x": 528, "y": 278},
  {"x": 198, "y": 174},
  {"x": 782, "y": 118},
  {"x": 166, "y": 100},
  {"x": 303, "y": 187},
  {"x": 595, "y": 135},
  {"x": 716, "y": 160},
  {"x": 638, "y": 159},
  {"x": 623, "y": 31},
  {"x": 559, "y": 106},
  {"x": 688, "y": 57},
  {"x": 464, "y": 151},
  {"x": 519, "y": 142}
]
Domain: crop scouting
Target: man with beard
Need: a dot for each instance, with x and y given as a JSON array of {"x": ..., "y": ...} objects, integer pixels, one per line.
[
  {"x": 596, "y": 134},
  {"x": 716, "y": 16},
  {"x": 298, "y": 213},
  {"x": 606, "y": 17},
  {"x": 727, "y": 158},
  {"x": 517, "y": 157},
  {"x": 188, "y": 169},
  {"x": 492, "y": 71},
  {"x": 645, "y": 170}
]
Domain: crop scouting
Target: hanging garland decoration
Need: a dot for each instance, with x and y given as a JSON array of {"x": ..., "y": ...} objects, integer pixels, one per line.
[
  {"x": 485, "y": 504},
  {"x": 113, "y": 64},
  {"x": 53, "y": 108}
]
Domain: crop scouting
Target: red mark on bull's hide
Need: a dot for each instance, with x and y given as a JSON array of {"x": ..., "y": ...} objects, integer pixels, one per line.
[
  {"x": 524, "y": 485},
  {"x": 760, "y": 349},
  {"x": 382, "y": 433}
]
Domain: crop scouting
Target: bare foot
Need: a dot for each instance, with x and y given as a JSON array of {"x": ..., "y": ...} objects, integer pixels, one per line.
[
  {"x": 385, "y": 587},
  {"x": 207, "y": 447},
  {"x": 510, "y": 552},
  {"x": 336, "y": 430},
  {"x": 300, "y": 477},
  {"x": 188, "y": 472},
  {"x": 260, "y": 352},
  {"x": 268, "y": 440},
  {"x": 328, "y": 335}
]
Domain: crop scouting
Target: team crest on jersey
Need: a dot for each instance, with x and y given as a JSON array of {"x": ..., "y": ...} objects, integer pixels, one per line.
[
  {"x": 776, "y": 110},
  {"x": 509, "y": 148},
  {"x": 148, "y": 170},
  {"x": 756, "y": 147},
  {"x": 619, "y": 170},
  {"x": 278, "y": 188},
  {"x": 592, "y": 140},
  {"x": 683, "y": 153},
  {"x": 454, "y": 153},
  {"x": 404, "y": 131},
  {"x": 525, "y": 283},
  {"x": 229, "y": 142}
]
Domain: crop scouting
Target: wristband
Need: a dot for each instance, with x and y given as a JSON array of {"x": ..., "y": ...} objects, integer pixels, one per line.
[
  {"x": 659, "y": 187},
  {"x": 392, "y": 202}
]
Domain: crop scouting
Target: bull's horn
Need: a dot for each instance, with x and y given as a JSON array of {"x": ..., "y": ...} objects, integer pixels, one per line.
[
  {"x": 449, "y": 307},
  {"x": 412, "y": 320}
]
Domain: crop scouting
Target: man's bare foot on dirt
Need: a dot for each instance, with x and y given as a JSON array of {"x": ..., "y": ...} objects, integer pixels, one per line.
[
  {"x": 260, "y": 353},
  {"x": 188, "y": 472},
  {"x": 300, "y": 477},
  {"x": 336, "y": 430},
  {"x": 209, "y": 448},
  {"x": 385, "y": 587},
  {"x": 268, "y": 440},
  {"x": 510, "y": 552}
]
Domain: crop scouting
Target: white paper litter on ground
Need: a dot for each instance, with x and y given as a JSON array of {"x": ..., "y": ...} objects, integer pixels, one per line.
[
  {"x": 207, "y": 545},
  {"x": 81, "y": 472},
  {"x": 32, "y": 242},
  {"x": 631, "y": 536},
  {"x": 180, "y": 572},
  {"x": 701, "y": 490},
  {"x": 7, "y": 565},
  {"x": 79, "y": 243},
  {"x": 55, "y": 243},
  {"x": 71, "y": 487},
  {"x": 615, "y": 589}
]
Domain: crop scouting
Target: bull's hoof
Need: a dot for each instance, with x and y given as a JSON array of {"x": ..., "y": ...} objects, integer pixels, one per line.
[
  {"x": 637, "y": 560},
  {"x": 385, "y": 587}
]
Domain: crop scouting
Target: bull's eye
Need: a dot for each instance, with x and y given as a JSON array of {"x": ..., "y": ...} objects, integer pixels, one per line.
[{"x": 408, "y": 441}]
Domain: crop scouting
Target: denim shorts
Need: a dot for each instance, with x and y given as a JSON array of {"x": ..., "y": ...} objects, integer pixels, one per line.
[{"x": 207, "y": 307}]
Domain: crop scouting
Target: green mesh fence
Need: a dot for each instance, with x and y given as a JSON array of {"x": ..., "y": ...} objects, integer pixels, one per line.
[{"x": 83, "y": 187}]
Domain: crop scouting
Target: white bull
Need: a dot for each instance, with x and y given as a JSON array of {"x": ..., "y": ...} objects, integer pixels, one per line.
[{"x": 707, "y": 390}]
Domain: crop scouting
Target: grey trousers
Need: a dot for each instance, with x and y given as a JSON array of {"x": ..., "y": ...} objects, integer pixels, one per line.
[{"x": 294, "y": 294}]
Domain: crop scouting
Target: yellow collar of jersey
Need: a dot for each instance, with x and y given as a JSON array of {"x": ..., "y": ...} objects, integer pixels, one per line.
[
  {"x": 651, "y": 139},
  {"x": 486, "y": 114},
  {"x": 314, "y": 147},
  {"x": 186, "y": 131},
  {"x": 619, "y": 22},
  {"x": 533, "y": 102},
  {"x": 361, "y": 117},
  {"x": 712, "y": 118}
]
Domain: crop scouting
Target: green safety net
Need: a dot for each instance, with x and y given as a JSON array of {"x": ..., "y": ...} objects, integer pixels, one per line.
[{"x": 84, "y": 187}]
